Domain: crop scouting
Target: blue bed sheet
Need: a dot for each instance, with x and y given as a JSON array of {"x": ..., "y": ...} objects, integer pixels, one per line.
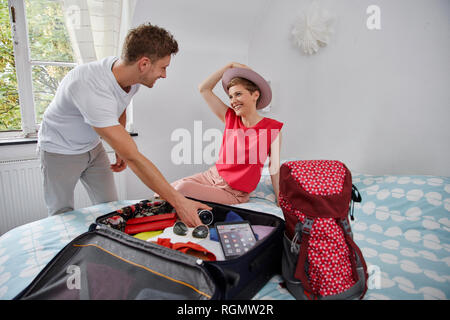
[{"x": 402, "y": 227}]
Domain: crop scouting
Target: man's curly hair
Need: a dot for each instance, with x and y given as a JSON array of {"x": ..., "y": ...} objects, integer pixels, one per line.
[{"x": 149, "y": 41}]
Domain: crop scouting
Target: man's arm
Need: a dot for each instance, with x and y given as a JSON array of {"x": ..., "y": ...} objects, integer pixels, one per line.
[
  {"x": 123, "y": 118},
  {"x": 120, "y": 164},
  {"x": 119, "y": 139}
]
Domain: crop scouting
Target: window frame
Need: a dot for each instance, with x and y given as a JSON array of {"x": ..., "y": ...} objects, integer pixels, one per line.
[{"x": 24, "y": 64}]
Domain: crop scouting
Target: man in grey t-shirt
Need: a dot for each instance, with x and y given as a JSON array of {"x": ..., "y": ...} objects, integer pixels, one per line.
[{"x": 91, "y": 103}]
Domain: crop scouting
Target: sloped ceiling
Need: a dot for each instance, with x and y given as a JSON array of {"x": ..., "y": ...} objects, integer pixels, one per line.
[{"x": 205, "y": 24}]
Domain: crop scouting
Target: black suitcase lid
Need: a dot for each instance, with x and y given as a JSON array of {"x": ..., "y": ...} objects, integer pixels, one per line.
[
  {"x": 161, "y": 273},
  {"x": 107, "y": 264}
]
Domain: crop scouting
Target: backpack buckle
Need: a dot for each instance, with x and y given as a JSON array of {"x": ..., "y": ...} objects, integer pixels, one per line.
[
  {"x": 307, "y": 225},
  {"x": 295, "y": 246},
  {"x": 346, "y": 226},
  {"x": 305, "y": 228}
]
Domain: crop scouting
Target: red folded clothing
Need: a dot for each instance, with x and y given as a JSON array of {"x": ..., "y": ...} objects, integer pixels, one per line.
[
  {"x": 156, "y": 217},
  {"x": 188, "y": 248},
  {"x": 149, "y": 226}
]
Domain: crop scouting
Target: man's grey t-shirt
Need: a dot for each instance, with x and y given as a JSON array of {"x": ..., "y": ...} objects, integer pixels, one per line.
[{"x": 88, "y": 96}]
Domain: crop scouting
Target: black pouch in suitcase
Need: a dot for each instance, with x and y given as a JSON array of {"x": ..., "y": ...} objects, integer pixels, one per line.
[{"x": 105, "y": 263}]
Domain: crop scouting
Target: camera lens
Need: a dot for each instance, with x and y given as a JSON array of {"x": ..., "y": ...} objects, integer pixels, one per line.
[{"x": 206, "y": 216}]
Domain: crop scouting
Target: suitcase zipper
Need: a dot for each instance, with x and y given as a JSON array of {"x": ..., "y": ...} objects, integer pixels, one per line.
[
  {"x": 144, "y": 268},
  {"x": 157, "y": 250}
]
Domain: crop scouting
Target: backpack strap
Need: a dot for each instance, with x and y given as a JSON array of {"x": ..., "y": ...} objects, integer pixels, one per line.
[
  {"x": 349, "y": 239},
  {"x": 300, "y": 272},
  {"x": 356, "y": 197}
]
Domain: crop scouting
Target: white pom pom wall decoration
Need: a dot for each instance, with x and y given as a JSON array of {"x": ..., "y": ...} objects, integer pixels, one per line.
[{"x": 312, "y": 29}]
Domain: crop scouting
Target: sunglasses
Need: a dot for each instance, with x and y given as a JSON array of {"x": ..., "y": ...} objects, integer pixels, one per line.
[{"x": 200, "y": 232}]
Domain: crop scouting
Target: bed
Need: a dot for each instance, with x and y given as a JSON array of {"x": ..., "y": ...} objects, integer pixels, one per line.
[{"x": 402, "y": 227}]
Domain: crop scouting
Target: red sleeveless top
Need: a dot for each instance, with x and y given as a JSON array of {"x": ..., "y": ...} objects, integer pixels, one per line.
[{"x": 244, "y": 151}]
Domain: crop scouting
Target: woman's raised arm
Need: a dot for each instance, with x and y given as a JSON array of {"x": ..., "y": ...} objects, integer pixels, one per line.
[{"x": 206, "y": 90}]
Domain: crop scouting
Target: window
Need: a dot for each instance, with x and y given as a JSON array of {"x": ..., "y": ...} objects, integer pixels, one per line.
[
  {"x": 42, "y": 40},
  {"x": 36, "y": 53}
]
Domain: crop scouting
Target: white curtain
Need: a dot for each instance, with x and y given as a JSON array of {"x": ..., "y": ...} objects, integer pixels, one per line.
[{"x": 97, "y": 28}]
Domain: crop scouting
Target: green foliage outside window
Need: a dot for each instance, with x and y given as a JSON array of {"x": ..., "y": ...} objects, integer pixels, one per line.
[
  {"x": 48, "y": 41},
  {"x": 9, "y": 97}
]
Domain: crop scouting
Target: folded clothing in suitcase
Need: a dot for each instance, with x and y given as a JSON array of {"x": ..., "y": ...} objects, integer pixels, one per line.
[{"x": 108, "y": 263}]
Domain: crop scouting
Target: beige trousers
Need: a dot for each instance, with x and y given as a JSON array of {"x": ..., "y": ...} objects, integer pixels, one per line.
[
  {"x": 61, "y": 173},
  {"x": 210, "y": 186}
]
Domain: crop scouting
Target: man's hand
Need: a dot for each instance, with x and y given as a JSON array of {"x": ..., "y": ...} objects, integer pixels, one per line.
[
  {"x": 187, "y": 211},
  {"x": 119, "y": 166}
]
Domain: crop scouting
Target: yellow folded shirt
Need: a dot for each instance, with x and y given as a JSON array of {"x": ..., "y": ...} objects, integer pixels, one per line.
[{"x": 147, "y": 235}]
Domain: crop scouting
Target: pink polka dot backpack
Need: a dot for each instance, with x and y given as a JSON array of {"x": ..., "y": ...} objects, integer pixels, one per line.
[{"x": 320, "y": 258}]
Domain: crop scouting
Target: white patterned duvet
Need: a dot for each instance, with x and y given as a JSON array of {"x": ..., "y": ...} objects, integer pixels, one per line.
[{"x": 402, "y": 227}]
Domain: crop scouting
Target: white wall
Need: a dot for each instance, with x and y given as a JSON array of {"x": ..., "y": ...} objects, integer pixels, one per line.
[
  {"x": 175, "y": 102},
  {"x": 377, "y": 100}
]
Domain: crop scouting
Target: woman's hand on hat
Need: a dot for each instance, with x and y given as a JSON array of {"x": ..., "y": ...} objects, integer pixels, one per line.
[{"x": 239, "y": 65}]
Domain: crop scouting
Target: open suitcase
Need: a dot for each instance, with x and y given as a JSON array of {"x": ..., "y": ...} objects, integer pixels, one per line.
[{"x": 105, "y": 263}]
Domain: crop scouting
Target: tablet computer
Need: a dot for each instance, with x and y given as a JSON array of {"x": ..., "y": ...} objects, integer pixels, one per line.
[{"x": 236, "y": 238}]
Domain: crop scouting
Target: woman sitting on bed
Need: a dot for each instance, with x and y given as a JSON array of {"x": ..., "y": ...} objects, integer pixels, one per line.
[{"x": 247, "y": 141}]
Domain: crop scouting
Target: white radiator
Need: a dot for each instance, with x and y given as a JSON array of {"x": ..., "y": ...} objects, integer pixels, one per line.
[{"x": 22, "y": 196}]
